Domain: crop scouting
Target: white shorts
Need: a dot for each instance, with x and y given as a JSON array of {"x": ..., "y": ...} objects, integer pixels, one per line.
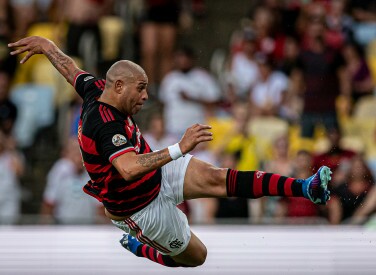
[{"x": 161, "y": 224}]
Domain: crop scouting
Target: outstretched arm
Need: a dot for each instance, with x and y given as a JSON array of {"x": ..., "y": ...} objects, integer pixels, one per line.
[{"x": 39, "y": 45}]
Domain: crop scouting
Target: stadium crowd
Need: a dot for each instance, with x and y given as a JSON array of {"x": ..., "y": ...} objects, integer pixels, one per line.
[{"x": 293, "y": 90}]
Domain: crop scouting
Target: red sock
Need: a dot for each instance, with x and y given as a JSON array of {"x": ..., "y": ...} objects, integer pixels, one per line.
[
  {"x": 152, "y": 254},
  {"x": 255, "y": 184}
]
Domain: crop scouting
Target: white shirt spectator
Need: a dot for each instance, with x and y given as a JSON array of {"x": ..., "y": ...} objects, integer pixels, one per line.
[
  {"x": 270, "y": 91},
  {"x": 179, "y": 113},
  {"x": 162, "y": 143},
  {"x": 10, "y": 195},
  {"x": 244, "y": 73},
  {"x": 64, "y": 192}
]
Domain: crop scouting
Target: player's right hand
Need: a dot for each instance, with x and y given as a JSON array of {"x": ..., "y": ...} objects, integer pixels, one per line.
[
  {"x": 32, "y": 45},
  {"x": 194, "y": 135}
]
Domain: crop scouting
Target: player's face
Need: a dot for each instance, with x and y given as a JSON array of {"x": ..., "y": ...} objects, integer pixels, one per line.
[{"x": 136, "y": 94}]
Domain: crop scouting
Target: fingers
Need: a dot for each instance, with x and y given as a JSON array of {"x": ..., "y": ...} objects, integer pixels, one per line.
[
  {"x": 29, "y": 54},
  {"x": 204, "y": 136},
  {"x": 22, "y": 50},
  {"x": 19, "y": 43},
  {"x": 199, "y": 126}
]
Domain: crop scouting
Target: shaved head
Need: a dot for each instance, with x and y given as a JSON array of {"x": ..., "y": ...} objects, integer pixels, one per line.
[{"x": 124, "y": 69}]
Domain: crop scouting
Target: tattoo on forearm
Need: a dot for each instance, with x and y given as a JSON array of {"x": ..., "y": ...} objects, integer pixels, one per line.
[
  {"x": 63, "y": 63},
  {"x": 148, "y": 160}
]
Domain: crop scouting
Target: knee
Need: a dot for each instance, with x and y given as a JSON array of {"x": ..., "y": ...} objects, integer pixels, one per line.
[
  {"x": 200, "y": 257},
  {"x": 216, "y": 178}
]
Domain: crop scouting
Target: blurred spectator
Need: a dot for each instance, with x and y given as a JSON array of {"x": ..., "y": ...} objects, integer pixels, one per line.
[
  {"x": 8, "y": 63},
  {"x": 280, "y": 163},
  {"x": 24, "y": 14},
  {"x": 351, "y": 193},
  {"x": 11, "y": 168},
  {"x": 264, "y": 24},
  {"x": 357, "y": 72},
  {"x": 8, "y": 111},
  {"x": 298, "y": 207},
  {"x": 64, "y": 202},
  {"x": 339, "y": 24},
  {"x": 156, "y": 134},
  {"x": 336, "y": 158},
  {"x": 268, "y": 93},
  {"x": 188, "y": 93},
  {"x": 364, "y": 12},
  {"x": 366, "y": 208},
  {"x": 237, "y": 140},
  {"x": 244, "y": 72},
  {"x": 83, "y": 37},
  {"x": 292, "y": 104},
  {"x": 320, "y": 67},
  {"x": 158, "y": 32}
]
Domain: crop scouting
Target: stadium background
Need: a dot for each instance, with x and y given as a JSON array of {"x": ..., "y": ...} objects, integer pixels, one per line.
[{"x": 252, "y": 86}]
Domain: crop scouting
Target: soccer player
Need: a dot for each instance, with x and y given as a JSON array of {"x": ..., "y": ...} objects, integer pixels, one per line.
[{"x": 140, "y": 188}]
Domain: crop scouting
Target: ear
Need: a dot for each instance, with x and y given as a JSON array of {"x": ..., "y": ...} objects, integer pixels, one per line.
[{"x": 119, "y": 85}]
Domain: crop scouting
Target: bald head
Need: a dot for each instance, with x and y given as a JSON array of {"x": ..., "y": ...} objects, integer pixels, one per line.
[{"x": 125, "y": 70}]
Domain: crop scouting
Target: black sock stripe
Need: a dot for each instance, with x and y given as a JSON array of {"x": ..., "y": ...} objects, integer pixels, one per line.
[
  {"x": 297, "y": 189},
  {"x": 266, "y": 183},
  {"x": 139, "y": 250},
  {"x": 155, "y": 254},
  {"x": 147, "y": 252},
  {"x": 228, "y": 183},
  {"x": 281, "y": 185},
  {"x": 244, "y": 184}
]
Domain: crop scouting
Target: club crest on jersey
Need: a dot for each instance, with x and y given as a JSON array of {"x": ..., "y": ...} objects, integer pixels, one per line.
[
  {"x": 88, "y": 78},
  {"x": 118, "y": 140}
]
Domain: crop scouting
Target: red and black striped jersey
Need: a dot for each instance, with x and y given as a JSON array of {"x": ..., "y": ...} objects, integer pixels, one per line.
[{"x": 105, "y": 133}]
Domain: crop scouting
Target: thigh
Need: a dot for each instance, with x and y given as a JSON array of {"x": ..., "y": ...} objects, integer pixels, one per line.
[{"x": 204, "y": 180}]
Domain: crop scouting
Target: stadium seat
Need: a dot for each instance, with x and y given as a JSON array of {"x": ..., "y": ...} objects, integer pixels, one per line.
[
  {"x": 365, "y": 108},
  {"x": 112, "y": 28},
  {"x": 268, "y": 128}
]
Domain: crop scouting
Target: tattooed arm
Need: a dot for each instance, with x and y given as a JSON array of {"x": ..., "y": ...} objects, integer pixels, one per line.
[
  {"x": 132, "y": 166},
  {"x": 39, "y": 45}
]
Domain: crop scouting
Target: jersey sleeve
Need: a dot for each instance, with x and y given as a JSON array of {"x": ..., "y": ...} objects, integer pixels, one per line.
[
  {"x": 113, "y": 140},
  {"x": 87, "y": 85}
]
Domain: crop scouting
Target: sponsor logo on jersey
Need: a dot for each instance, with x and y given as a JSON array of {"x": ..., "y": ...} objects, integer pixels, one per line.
[
  {"x": 118, "y": 140},
  {"x": 88, "y": 78}
]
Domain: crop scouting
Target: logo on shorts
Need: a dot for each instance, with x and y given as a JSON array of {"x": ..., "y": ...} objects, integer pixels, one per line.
[
  {"x": 88, "y": 78},
  {"x": 176, "y": 244},
  {"x": 118, "y": 140}
]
